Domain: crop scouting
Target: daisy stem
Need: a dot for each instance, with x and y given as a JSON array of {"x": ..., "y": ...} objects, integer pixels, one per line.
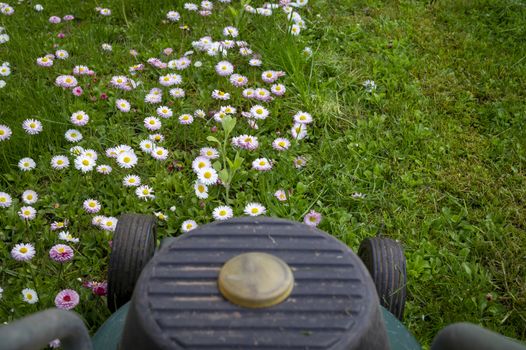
[
  {"x": 33, "y": 277},
  {"x": 59, "y": 279}
]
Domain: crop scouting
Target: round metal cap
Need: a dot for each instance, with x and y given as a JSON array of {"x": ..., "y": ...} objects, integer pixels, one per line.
[{"x": 255, "y": 280}]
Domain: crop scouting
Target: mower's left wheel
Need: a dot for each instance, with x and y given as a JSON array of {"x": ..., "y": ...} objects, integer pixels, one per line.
[
  {"x": 133, "y": 246},
  {"x": 385, "y": 260}
]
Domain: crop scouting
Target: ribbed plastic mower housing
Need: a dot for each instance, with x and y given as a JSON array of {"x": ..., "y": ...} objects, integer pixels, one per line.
[{"x": 327, "y": 302}]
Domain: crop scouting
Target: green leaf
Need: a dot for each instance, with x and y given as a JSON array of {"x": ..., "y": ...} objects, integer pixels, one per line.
[
  {"x": 217, "y": 165},
  {"x": 213, "y": 139},
  {"x": 238, "y": 161},
  {"x": 223, "y": 175},
  {"x": 228, "y": 124}
]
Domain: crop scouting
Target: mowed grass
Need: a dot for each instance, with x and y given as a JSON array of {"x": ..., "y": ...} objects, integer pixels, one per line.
[{"x": 438, "y": 149}]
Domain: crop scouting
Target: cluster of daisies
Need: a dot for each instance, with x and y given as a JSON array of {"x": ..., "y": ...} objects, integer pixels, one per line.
[{"x": 232, "y": 57}]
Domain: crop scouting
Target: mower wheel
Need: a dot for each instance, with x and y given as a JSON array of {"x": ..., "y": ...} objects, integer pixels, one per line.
[
  {"x": 385, "y": 260},
  {"x": 133, "y": 246}
]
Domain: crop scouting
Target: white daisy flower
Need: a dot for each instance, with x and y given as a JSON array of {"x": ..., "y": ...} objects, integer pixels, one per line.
[
  {"x": 61, "y": 54},
  {"x": 66, "y": 236},
  {"x": 188, "y": 225},
  {"x": 59, "y": 162},
  {"x": 5, "y": 200},
  {"x": 201, "y": 163},
  {"x": 259, "y": 112},
  {"x": 261, "y": 164},
  {"x": 299, "y": 131},
  {"x": 90, "y": 153},
  {"x": 73, "y": 135},
  {"x": 224, "y": 68},
  {"x": 29, "y": 295},
  {"x": 201, "y": 190},
  {"x": 27, "y": 213},
  {"x": 186, "y": 119},
  {"x": 222, "y": 213},
  {"x": 159, "y": 153},
  {"x": 147, "y": 146},
  {"x": 91, "y": 206},
  {"x": 84, "y": 163},
  {"x": 26, "y": 164},
  {"x": 5, "y": 132},
  {"x": 76, "y": 150},
  {"x": 152, "y": 123},
  {"x": 123, "y": 105},
  {"x": 164, "y": 112},
  {"x": 32, "y": 126},
  {"x": 127, "y": 160},
  {"x": 281, "y": 195},
  {"x": 131, "y": 181},
  {"x": 207, "y": 176},
  {"x": 254, "y": 209},
  {"x": 302, "y": 118},
  {"x": 144, "y": 192},
  {"x": 104, "y": 169},
  {"x": 156, "y": 137},
  {"x": 29, "y": 197},
  {"x": 209, "y": 152},
  {"x": 80, "y": 118},
  {"x": 108, "y": 223},
  {"x": 173, "y": 16},
  {"x": 161, "y": 216},
  {"x": 177, "y": 93}
]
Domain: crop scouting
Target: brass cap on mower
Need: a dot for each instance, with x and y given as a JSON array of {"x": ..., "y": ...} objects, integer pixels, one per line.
[{"x": 255, "y": 280}]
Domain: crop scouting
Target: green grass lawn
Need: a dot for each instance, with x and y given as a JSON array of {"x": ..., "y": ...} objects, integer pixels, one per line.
[{"x": 434, "y": 156}]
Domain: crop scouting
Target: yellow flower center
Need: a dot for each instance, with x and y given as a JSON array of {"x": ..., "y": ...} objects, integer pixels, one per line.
[
  {"x": 29, "y": 296},
  {"x": 85, "y": 162},
  {"x": 254, "y": 210},
  {"x": 259, "y": 111},
  {"x": 27, "y": 212},
  {"x": 208, "y": 175},
  {"x": 26, "y": 164},
  {"x": 262, "y": 163},
  {"x": 60, "y": 162},
  {"x": 222, "y": 212},
  {"x": 23, "y": 250},
  {"x": 145, "y": 192},
  {"x": 29, "y": 197},
  {"x": 68, "y": 80},
  {"x": 32, "y": 125},
  {"x": 126, "y": 159},
  {"x": 61, "y": 250}
]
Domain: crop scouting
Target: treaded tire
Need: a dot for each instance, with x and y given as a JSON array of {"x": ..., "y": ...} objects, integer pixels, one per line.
[
  {"x": 385, "y": 260},
  {"x": 133, "y": 246}
]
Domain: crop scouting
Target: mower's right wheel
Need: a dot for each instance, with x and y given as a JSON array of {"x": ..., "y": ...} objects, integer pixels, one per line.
[
  {"x": 385, "y": 260},
  {"x": 133, "y": 246}
]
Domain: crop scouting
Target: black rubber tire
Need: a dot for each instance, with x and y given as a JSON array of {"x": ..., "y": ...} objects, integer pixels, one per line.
[
  {"x": 385, "y": 260},
  {"x": 133, "y": 246}
]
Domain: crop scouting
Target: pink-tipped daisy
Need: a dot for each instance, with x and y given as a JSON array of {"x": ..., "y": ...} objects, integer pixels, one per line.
[
  {"x": 61, "y": 253},
  {"x": 67, "y": 299}
]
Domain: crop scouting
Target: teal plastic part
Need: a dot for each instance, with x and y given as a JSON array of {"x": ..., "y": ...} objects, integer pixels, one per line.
[
  {"x": 399, "y": 337},
  {"x": 109, "y": 334}
]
